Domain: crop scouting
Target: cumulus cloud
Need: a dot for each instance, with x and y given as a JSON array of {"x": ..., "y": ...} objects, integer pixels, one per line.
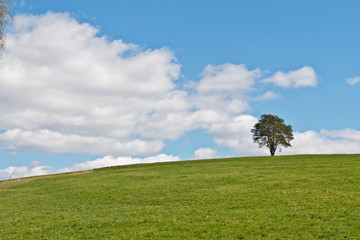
[
  {"x": 65, "y": 89},
  {"x": 236, "y": 135},
  {"x": 25, "y": 171},
  {"x": 228, "y": 77},
  {"x": 325, "y": 142},
  {"x": 269, "y": 95},
  {"x": 303, "y": 77},
  {"x": 204, "y": 153},
  {"x": 54, "y": 142},
  {"x": 353, "y": 81},
  {"x": 108, "y": 161},
  {"x": 222, "y": 89},
  {"x": 37, "y": 168}
]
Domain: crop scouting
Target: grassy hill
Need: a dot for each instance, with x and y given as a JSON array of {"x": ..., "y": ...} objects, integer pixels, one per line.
[{"x": 287, "y": 197}]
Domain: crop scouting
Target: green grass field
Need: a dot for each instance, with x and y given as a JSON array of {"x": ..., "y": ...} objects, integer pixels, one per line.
[{"x": 287, "y": 197}]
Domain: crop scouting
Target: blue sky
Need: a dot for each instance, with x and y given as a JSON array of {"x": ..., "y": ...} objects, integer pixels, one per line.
[{"x": 142, "y": 81}]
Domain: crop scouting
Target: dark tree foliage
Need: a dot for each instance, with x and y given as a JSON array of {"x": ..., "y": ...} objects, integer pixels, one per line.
[
  {"x": 5, "y": 14},
  {"x": 272, "y": 132}
]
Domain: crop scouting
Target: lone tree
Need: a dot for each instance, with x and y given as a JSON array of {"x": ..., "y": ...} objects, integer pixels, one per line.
[
  {"x": 5, "y": 14},
  {"x": 272, "y": 132}
]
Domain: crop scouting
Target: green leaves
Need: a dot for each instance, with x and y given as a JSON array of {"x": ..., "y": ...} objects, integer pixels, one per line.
[
  {"x": 4, "y": 15},
  {"x": 272, "y": 132}
]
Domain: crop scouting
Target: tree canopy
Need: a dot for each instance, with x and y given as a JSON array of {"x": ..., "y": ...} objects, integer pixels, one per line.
[
  {"x": 5, "y": 14},
  {"x": 272, "y": 132}
]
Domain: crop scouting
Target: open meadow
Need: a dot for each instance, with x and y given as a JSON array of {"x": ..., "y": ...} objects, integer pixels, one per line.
[{"x": 282, "y": 197}]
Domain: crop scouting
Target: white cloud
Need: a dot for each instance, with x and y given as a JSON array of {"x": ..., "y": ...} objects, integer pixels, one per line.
[
  {"x": 45, "y": 140},
  {"x": 236, "y": 135},
  {"x": 303, "y": 77},
  {"x": 325, "y": 142},
  {"x": 269, "y": 95},
  {"x": 108, "y": 161},
  {"x": 65, "y": 89},
  {"x": 309, "y": 142},
  {"x": 223, "y": 89},
  {"x": 227, "y": 78},
  {"x": 36, "y": 168},
  {"x": 353, "y": 81},
  {"x": 24, "y": 171},
  {"x": 204, "y": 153}
]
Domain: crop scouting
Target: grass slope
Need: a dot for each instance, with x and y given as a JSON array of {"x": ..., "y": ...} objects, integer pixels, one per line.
[{"x": 287, "y": 197}]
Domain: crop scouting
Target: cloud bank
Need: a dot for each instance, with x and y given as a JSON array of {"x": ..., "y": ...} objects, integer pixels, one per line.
[
  {"x": 38, "y": 169},
  {"x": 65, "y": 89}
]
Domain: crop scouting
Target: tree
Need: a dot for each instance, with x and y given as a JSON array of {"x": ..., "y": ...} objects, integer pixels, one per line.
[
  {"x": 5, "y": 14},
  {"x": 272, "y": 132}
]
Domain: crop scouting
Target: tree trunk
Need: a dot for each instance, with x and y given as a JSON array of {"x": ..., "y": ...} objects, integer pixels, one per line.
[{"x": 272, "y": 151}]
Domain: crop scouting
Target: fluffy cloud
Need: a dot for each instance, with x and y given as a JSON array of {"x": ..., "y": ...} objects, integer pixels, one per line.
[
  {"x": 19, "y": 172},
  {"x": 204, "y": 153},
  {"x": 223, "y": 90},
  {"x": 54, "y": 142},
  {"x": 108, "y": 161},
  {"x": 236, "y": 135},
  {"x": 64, "y": 89},
  {"x": 325, "y": 142},
  {"x": 37, "y": 168},
  {"x": 353, "y": 81},
  {"x": 303, "y": 77},
  {"x": 228, "y": 78},
  {"x": 267, "y": 96}
]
